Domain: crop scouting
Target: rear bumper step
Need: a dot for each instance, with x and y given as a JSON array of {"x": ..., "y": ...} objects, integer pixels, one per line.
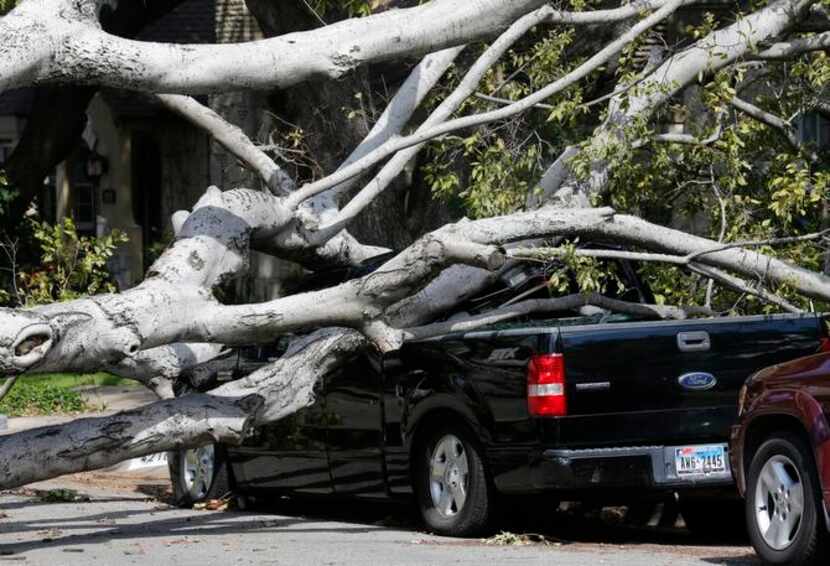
[{"x": 636, "y": 466}]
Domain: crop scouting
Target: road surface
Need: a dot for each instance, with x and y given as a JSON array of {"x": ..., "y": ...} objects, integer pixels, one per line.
[{"x": 126, "y": 522}]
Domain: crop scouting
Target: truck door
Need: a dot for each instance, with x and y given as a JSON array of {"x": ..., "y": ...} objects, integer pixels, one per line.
[
  {"x": 354, "y": 419},
  {"x": 288, "y": 455}
]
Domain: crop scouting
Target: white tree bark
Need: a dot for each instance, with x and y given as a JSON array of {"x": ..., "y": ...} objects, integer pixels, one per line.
[
  {"x": 74, "y": 49},
  {"x": 225, "y": 414},
  {"x": 790, "y": 49},
  {"x": 158, "y": 368},
  {"x": 177, "y": 307},
  {"x": 172, "y": 321}
]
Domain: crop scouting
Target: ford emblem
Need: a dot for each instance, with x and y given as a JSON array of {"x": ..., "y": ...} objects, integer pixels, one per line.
[{"x": 697, "y": 381}]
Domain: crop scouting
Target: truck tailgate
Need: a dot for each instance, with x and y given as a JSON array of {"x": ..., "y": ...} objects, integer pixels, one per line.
[{"x": 653, "y": 383}]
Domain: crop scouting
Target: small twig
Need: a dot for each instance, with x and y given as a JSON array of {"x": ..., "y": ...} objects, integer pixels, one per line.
[
  {"x": 7, "y": 386},
  {"x": 710, "y": 286},
  {"x": 313, "y": 11},
  {"x": 506, "y": 101},
  {"x": 743, "y": 286}
]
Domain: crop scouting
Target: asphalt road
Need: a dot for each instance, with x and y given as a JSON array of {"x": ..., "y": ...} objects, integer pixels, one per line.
[{"x": 125, "y": 522}]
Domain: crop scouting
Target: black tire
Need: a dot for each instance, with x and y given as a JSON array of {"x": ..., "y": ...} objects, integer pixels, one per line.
[
  {"x": 186, "y": 493},
  {"x": 473, "y": 515},
  {"x": 714, "y": 519},
  {"x": 806, "y": 541}
]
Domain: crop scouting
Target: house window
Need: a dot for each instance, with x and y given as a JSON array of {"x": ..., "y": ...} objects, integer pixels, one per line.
[
  {"x": 6, "y": 146},
  {"x": 84, "y": 193},
  {"x": 84, "y": 209},
  {"x": 813, "y": 128}
]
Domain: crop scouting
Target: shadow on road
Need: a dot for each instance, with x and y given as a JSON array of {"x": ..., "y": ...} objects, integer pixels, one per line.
[
  {"x": 574, "y": 526},
  {"x": 168, "y": 523}
]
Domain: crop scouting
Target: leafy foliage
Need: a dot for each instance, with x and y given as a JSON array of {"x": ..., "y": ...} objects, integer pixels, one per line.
[
  {"x": 350, "y": 8},
  {"x": 7, "y": 193},
  {"x": 70, "y": 265},
  {"x": 492, "y": 170},
  {"x": 742, "y": 180},
  {"x": 749, "y": 183}
]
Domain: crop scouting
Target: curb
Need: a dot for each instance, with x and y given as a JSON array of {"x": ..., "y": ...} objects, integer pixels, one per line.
[{"x": 143, "y": 463}]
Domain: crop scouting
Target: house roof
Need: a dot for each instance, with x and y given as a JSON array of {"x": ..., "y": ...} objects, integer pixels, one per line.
[
  {"x": 204, "y": 21},
  {"x": 17, "y": 102},
  {"x": 192, "y": 21}
]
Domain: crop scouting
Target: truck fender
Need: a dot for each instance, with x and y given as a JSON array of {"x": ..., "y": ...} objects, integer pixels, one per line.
[{"x": 432, "y": 398}]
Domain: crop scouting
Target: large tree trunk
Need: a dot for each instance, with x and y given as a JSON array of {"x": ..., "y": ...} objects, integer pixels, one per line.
[{"x": 225, "y": 414}]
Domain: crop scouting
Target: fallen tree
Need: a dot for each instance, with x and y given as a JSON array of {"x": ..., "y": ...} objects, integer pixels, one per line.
[{"x": 173, "y": 320}]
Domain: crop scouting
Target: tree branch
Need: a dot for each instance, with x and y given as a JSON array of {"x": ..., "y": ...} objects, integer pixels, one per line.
[
  {"x": 226, "y": 414},
  {"x": 688, "y": 138},
  {"x": 442, "y": 113},
  {"x": 232, "y": 138},
  {"x": 420, "y": 82},
  {"x": 680, "y": 260},
  {"x": 80, "y": 334},
  {"x": 559, "y": 304},
  {"x": 744, "y": 286},
  {"x": 421, "y": 136},
  {"x": 74, "y": 50},
  {"x": 796, "y": 47},
  {"x": 158, "y": 368},
  {"x": 771, "y": 120}
]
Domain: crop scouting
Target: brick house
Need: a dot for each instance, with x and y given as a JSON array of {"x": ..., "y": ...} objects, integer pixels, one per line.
[{"x": 147, "y": 162}]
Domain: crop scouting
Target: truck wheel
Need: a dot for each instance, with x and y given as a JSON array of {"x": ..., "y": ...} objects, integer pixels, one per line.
[
  {"x": 198, "y": 474},
  {"x": 451, "y": 485},
  {"x": 783, "y": 504}
]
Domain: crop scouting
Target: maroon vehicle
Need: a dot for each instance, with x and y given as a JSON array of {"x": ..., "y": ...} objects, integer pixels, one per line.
[{"x": 780, "y": 455}]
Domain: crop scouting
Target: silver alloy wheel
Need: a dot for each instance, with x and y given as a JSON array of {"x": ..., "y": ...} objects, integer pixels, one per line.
[
  {"x": 197, "y": 470},
  {"x": 448, "y": 475},
  {"x": 779, "y": 502}
]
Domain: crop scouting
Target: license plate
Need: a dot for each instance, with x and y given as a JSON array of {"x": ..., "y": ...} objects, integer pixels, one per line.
[{"x": 700, "y": 460}]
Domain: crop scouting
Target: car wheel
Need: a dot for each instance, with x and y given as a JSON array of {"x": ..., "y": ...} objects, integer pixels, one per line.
[
  {"x": 783, "y": 505},
  {"x": 451, "y": 484},
  {"x": 199, "y": 474}
]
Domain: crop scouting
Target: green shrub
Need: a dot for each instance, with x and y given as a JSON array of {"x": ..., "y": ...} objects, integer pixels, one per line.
[
  {"x": 41, "y": 398},
  {"x": 71, "y": 265}
]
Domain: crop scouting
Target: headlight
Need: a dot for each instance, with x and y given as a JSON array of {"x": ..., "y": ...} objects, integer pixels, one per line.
[{"x": 742, "y": 400}]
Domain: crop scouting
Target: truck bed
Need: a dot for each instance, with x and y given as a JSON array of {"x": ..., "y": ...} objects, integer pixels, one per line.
[{"x": 634, "y": 390}]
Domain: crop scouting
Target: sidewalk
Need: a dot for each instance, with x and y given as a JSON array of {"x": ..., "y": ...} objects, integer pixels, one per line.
[{"x": 110, "y": 399}]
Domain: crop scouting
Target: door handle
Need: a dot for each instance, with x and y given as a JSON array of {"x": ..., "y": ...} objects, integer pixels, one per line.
[{"x": 693, "y": 341}]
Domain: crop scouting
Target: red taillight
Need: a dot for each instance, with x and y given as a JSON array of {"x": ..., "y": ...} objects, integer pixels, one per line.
[
  {"x": 824, "y": 344},
  {"x": 546, "y": 386}
]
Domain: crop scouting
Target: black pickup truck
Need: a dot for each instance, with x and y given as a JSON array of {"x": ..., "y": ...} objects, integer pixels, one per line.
[{"x": 574, "y": 407}]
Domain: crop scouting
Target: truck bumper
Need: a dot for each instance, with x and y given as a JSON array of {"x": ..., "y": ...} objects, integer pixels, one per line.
[{"x": 637, "y": 466}]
